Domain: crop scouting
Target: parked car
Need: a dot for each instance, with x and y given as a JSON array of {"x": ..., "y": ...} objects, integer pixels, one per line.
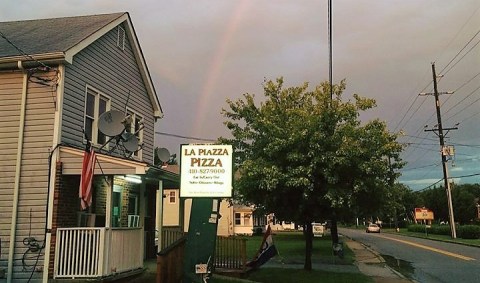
[{"x": 373, "y": 228}]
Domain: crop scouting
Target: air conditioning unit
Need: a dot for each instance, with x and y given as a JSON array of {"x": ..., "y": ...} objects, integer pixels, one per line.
[{"x": 133, "y": 220}]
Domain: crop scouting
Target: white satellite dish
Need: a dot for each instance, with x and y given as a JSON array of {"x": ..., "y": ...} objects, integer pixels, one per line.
[
  {"x": 130, "y": 142},
  {"x": 163, "y": 154},
  {"x": 110, "y": 123}
]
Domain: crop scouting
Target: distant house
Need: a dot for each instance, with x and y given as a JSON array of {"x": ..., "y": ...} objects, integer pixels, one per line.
[{"x": 58, "y": 76}]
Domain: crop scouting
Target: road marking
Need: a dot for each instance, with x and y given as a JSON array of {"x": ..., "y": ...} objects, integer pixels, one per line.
[{"x": 428, "y": 248}]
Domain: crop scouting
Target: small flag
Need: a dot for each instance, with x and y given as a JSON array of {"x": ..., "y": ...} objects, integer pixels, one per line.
[
  {"x": 267, "y": 250},
  {"x": 88, "y": 169}
]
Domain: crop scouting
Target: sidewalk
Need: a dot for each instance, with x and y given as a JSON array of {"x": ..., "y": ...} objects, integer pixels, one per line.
[{"x": 373, "y": 265}]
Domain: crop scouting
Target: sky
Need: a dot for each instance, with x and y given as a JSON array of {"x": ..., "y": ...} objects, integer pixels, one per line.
[{"x": 202, "y": 52}]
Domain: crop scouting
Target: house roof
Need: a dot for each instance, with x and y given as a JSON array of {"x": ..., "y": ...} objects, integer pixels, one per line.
[{"x": 59, "y": 39}]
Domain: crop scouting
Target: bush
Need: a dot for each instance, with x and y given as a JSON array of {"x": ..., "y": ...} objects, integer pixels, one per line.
[
  {"x": 257, "y": 231},
  {"x": 433, "y": 229},
  {"x": 440, "y": 230},
  {"x": 416, "y": 228},
  {"x": 469, "y": 232}
]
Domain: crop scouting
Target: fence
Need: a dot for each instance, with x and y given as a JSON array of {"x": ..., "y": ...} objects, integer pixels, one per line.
[{"x": 231, "y": 254}]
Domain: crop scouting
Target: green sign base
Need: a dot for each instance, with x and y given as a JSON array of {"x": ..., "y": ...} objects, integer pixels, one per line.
[{"x": 201, "y": 238}]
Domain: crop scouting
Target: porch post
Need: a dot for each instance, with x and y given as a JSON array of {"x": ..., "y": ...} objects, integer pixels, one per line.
[
  {"x": 108, "y": 205},
  {"x": 107, "y": 231},
  {"x": 142, "y": 217},
  {"x": 159, "y": 215}
]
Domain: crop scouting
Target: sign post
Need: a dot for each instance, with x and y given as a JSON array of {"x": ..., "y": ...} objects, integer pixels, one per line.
[{"x": 206, "y": 173}]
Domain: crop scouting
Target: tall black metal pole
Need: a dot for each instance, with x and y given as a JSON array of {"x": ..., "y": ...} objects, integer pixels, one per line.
[{"x": 330, "y": 72}]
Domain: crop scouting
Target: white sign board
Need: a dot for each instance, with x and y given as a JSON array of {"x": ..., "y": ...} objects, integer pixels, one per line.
[{"x": 206, "y": 170}]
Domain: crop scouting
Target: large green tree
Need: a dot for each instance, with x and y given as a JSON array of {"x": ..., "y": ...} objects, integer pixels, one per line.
[
  {"x": 464, "y": 199},
  {"x": 305, "y": 155}
]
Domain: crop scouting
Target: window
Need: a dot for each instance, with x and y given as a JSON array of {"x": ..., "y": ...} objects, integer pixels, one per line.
[
  {"x": 121, "y": 38},
  {"x": 238, "y": 218},
  {"x": 135, "y": 127},
  {"x": 95, "y": 105},
  {"x": 116, "y": 206},
  {"x": 246, "y": 219},
  {"x": 172, "y": 197},
  {"x": 133, "y": 204}
]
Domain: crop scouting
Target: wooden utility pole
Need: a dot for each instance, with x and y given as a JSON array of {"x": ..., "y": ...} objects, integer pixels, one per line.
[{"x": 441, "y": 136}]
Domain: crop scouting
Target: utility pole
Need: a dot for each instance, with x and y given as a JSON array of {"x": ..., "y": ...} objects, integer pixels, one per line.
[{"x": 442, "y": 149}]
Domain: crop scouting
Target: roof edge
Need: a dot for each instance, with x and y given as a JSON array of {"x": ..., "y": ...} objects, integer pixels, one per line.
[{"x": 125, "y": 17}]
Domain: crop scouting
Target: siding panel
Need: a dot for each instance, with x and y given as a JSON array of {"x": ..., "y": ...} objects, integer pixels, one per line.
[
  {"x": 113, "y": 72},
  {"x": 10, "y": 100},
  {"x": 38, "y": 139}
]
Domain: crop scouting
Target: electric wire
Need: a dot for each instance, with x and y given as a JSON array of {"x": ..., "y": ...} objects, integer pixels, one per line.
[{"x": 184, "y": 137}]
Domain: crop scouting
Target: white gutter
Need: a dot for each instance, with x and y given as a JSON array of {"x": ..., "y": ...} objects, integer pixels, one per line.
[
  {"x": 16, "y": 188},
  {"x": 55, "y": 56}
]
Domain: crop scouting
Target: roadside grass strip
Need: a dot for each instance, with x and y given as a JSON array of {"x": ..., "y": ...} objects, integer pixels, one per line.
[{"x": 429, "y": 248}]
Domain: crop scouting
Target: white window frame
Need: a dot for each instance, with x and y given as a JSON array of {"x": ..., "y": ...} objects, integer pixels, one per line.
[
  {"x": 240, "y": 216},
  {"x": 135, "y": 116},
  {"x": 170, "y": 195},
  {"x": 96, "y": 112}
]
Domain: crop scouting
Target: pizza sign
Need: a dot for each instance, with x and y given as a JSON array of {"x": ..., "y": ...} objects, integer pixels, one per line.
[{"x": 423, "y": 214}]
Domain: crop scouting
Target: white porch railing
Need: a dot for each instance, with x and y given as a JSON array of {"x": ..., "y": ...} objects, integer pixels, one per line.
[
  {"x": 125, "y": 250},
  {"x": 97, "y": 252}
]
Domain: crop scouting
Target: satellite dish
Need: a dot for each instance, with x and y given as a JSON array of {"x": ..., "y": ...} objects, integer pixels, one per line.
[
  {"x": 163, "y": 154},
  {"x": 130, "y": 142},
  {"x": 110, "y": 123}
]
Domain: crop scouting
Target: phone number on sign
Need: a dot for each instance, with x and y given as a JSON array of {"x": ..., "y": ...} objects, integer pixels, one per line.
[{"x": 206, "y": 171}]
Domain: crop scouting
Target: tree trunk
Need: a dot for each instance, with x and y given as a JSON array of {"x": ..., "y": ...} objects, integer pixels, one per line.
[{"x": 308, "y": 234}]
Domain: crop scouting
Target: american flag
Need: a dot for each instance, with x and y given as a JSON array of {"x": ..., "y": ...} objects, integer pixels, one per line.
[{"x": 88, "y": 168}]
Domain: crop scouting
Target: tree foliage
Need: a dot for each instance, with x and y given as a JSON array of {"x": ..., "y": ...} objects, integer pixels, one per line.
[
  {"x": 303, "y": 155},
  {"x": 465, "y": 197}
]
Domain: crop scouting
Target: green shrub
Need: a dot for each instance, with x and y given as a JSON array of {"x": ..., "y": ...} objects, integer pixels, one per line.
[
  {"x": 433, "y": 229},
  {"x": 469, "y": 232},
  {"x": 416, "y": 228},
  {"x": 440, "y": 230},
  {"x": 257, "y": 231}
]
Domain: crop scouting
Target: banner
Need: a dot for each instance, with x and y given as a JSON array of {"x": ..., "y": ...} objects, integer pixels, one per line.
[{"x": 267, "y": 250}]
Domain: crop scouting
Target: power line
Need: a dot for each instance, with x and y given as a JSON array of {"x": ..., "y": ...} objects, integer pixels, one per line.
[
  {"x": 23, "y": 53},
  {"x": 185, "y": 137},
  {"x": 465, "y": 46}
]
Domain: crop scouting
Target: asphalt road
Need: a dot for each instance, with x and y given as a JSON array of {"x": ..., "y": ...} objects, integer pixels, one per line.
[{"x": 423, "y": 260}]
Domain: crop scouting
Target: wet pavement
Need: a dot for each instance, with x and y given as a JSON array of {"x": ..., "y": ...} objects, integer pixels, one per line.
[{"x": 374, "y": 265}]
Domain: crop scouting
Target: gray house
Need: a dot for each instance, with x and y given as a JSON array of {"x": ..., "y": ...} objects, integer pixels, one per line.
[{"x": 57, "y": 76}]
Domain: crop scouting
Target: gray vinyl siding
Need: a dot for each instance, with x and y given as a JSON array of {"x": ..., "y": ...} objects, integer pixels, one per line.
[
  {"x": 113, "y": 72},
  {"x": 33, "y": 182}
]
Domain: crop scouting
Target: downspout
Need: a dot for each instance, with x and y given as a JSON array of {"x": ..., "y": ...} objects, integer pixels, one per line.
[
  {"x": 16, "y": 187},
  {"x": 52, "y": 172}
]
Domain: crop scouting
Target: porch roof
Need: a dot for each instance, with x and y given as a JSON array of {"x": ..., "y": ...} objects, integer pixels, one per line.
[{"x": 170, "y": 179}]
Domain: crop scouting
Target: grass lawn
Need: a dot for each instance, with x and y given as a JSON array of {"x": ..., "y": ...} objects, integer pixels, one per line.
[{"x": 291, "y": 248}]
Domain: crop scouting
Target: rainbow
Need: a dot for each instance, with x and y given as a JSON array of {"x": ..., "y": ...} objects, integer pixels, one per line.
[{"x": 217, "y": 62}]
